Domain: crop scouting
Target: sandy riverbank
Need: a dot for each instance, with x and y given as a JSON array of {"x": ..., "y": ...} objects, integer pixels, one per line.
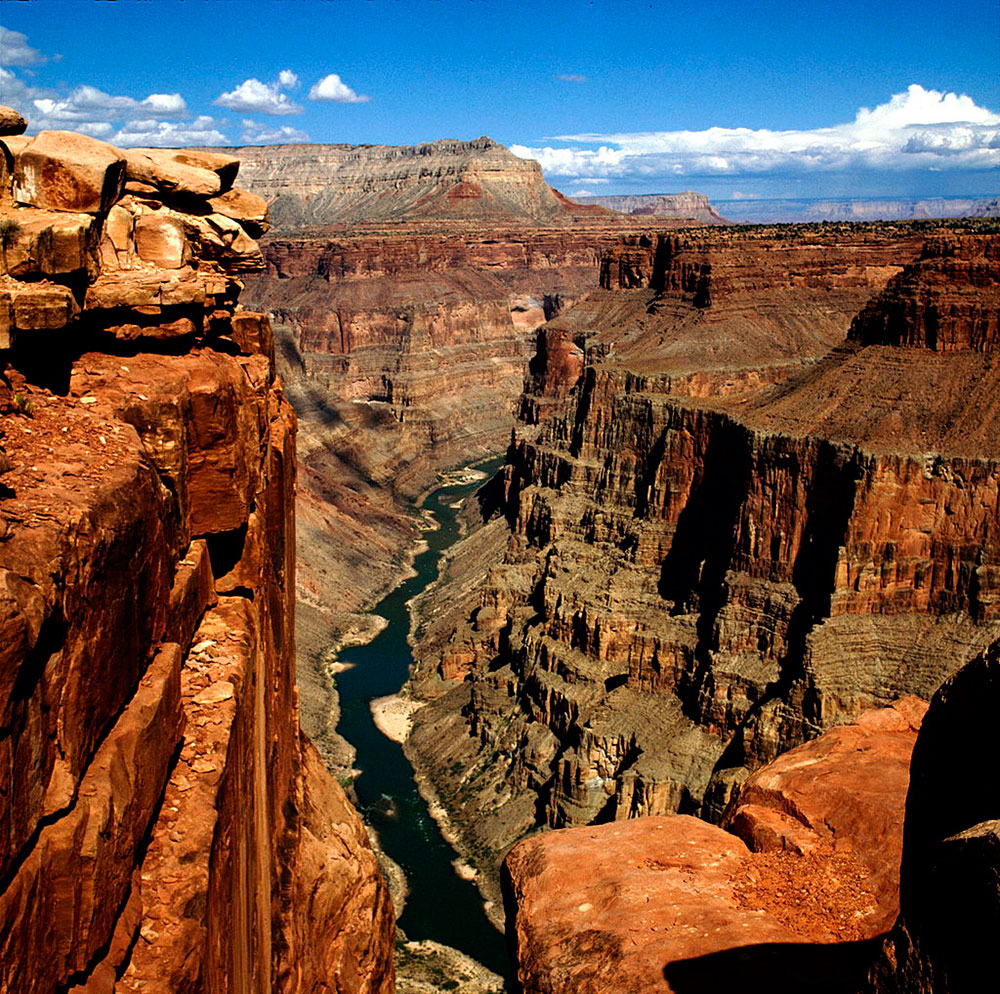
[{"x": 393, "y": 715}]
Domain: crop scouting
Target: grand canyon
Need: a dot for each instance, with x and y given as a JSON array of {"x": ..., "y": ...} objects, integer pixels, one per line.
[{"x": 696, "y": 684}]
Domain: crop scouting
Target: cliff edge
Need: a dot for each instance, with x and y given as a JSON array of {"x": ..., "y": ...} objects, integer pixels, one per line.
[{"x": 164, "y": 825}]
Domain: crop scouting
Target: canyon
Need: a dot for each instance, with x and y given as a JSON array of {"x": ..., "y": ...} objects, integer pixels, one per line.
[
  {"x": 405, "y": 285},
  {"x": 747, "y": 528},
  {"x": 752, "y": 493}
]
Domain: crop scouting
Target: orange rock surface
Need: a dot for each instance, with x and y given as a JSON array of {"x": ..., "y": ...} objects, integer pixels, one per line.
[
  {"x": 788, "y": 899},
  {"x": 164, "y": 826}
]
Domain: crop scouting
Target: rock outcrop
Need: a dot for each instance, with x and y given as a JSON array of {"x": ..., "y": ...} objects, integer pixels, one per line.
[
  {"x": 944, "y": 941},
  {"x": 721, "y": 531},
  {"x": 164, "y": 826},
  {"x": 788, "y": 900},
  {"x": 695, "y": 206}
]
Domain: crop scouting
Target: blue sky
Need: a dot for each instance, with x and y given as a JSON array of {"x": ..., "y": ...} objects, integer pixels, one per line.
[{"x": 770, "y": 98}]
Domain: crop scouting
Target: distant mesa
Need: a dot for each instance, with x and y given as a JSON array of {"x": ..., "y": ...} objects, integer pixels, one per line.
[
  {"x": 677, "y": 205},
  {"x": 322, "y": 186},
  {"x": 316, "y": 187},
  {"x": 807, "y": 210}
]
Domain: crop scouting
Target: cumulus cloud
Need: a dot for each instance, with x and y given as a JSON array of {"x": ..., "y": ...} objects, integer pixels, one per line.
[
  {"x": 157, "y": 119},
  {"x": 203, "y": 130},
  {"x": 917, "y": 129},
  {"x": 572, "y": 77},
  {"x": 332, "y": 87},
  {"x": 15, "y": 50},
  {"x": 262, "y": 134},
  {"x": 254, "y": 97},
  {"x": 86, "y": 103}
]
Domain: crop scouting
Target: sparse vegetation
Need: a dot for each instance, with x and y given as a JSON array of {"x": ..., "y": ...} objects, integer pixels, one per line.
[
  {"x": 9, "y": 230},
  {"x": 23, "y": 404}
]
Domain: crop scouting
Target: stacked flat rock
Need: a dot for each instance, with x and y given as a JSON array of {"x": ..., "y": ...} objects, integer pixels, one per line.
[{"x": 88, "y": 230}]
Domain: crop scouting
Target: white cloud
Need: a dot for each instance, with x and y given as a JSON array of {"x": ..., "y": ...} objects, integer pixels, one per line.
[
  {"x": 202, "y": 130},
  {"x": 15, "y": 50},
  {"x": 165, "y": 104},
  {"x": 916, "y": 129},
  {"x": 87, "y": 108},
  {"x": 572, "y": 77},
  {"x": 254, "y": 97},
  {"x": 262, "y": 134},
  {"x": 332, "y": 87},
  {"x": 93, "y": 112}
]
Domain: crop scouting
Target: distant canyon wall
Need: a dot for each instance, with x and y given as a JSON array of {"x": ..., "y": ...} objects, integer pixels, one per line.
[{"x": 723, "y": 525}]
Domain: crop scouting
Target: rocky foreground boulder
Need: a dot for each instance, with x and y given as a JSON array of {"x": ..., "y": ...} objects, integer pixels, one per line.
[
  {"x": 790, "y": 898},
  {"x": 164, "y": 826}
]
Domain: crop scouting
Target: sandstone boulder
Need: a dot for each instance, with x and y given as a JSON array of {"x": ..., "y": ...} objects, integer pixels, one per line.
[
  {"x": 43, "y": 307},
  {"x": 245, "y": 207},
  {"x": 224, "y": 166},
  {"x": 46, "y": 243},
  {"x": 60, "y": 170},
  {"x": 686, "y": 906},
  {"x": 653, "y": 905},
  {"x": 160, "y": 240},
  {"x": 118, "y": 239},
  {"x": 161, "y": 170},
  {"x": 11, "y": 123},
  {"x": 842, "y": 791}
]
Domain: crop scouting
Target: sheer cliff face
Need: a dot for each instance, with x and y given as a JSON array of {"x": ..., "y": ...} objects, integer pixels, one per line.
[
  {"x": 719, "y": 540},
  {"x": 163, "y": 824}
]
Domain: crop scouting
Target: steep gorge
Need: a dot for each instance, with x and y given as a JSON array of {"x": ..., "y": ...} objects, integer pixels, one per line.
[
  {"x": 406, "y": 284},
  {"x": 722, "y": 527}
]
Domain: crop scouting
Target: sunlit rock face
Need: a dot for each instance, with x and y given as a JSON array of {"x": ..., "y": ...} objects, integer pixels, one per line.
[
  {"x": 790, "y": 898},
  {"x": 164, "y": 826}
]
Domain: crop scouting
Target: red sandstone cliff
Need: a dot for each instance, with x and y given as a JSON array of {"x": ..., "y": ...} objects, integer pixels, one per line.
[
  {"x": 163, "y": 823},
  {"x": 719, "y": 536}
]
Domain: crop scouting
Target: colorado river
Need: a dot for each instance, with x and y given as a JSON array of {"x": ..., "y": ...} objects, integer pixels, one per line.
[{"x": 440, "y": 906}]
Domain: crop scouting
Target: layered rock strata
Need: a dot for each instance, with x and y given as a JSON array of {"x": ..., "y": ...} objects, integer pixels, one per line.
[
  {"x": 403, "y": 353},
  {"x": 789, "y": 899},
  {"x": 163, "y": 823},
  {"x": 318, "y": 186},
  {"x": 718, "y": 536},
  {"x": 695, "y": 206},
  {"x": 406, "y": 284}
]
